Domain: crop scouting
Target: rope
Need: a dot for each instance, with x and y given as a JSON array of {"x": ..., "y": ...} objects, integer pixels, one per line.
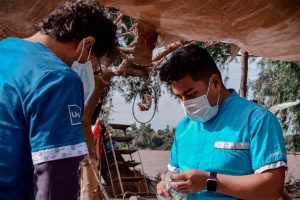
[
  {"x": 154, "y": 111},
  {"x": 147, "y": 82}
]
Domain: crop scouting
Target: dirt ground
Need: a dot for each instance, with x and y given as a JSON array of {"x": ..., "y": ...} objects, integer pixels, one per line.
[{"x": 155, "y": 162}]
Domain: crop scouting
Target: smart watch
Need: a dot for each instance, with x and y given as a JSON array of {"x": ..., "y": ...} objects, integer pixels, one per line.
[{"x": 212, "y": 182}]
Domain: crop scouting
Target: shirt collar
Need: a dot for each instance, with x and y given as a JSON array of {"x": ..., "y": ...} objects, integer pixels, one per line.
[{"x": 233, "y": 95}]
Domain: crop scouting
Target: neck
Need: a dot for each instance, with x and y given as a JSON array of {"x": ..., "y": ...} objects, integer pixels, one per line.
[
  {"x": 65, "y": 51},
  {"x": 224, "y": 94}
]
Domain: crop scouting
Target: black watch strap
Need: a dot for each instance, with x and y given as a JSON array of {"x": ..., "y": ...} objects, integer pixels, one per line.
[
  {"x": 212, "y": 182},
  {"x": 213, "y": 175}
]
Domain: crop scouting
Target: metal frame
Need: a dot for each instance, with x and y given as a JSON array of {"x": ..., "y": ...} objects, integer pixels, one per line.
[{"x": 108, "y": 128}]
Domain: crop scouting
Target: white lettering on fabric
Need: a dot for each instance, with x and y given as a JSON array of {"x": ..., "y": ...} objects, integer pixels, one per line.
[
  {"x": 277, "y": 153},
  {"x": 75, "y": 114}
]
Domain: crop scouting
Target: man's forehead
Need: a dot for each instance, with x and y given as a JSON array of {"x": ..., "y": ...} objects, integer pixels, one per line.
[
  {"x": 184, "y": 82},
  {"x": 181, "y": 86},
  {"x": 186, "y": 85}
]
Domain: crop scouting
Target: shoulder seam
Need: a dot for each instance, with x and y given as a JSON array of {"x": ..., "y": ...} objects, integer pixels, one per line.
[{"x": 41, "y": 78}]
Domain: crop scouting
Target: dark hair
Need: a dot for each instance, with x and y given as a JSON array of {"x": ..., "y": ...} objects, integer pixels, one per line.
[
  {"x": 189, "y": 60},
  {"x": 76, "y": 20}
]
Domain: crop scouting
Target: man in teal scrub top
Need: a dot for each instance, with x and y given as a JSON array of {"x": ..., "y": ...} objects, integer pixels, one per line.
[
  {"x": 226, "y": 147},
  {"x": 44, "y": 82}
]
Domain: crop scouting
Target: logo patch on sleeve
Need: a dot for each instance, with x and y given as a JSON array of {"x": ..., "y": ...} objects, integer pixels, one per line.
[{"x": 75, "y": 114}]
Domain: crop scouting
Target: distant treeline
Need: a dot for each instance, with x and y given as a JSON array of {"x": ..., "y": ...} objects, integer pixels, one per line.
[{"x": 147, "y": 138}]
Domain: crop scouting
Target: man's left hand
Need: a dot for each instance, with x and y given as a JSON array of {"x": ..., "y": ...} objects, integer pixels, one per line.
[{"x": 189, "y": 181}]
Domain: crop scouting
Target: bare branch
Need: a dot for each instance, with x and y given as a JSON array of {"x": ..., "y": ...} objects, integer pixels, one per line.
[
  {"x": 130, "y": 72},
  {"x": 127, "y": 69},
  {"x": 123, "y": 55},
  {"x": 126, "y": 33},
  {"x": 210, "y": 44},
  {"x": 133, "y": 26},
  {"x": 124, "y": 26},
  {"x": 169, "y": 49},
  {"x": 133, "y": 43},
  {"x": 120, "y": 16},
  {"x": 127, "y": 50}
]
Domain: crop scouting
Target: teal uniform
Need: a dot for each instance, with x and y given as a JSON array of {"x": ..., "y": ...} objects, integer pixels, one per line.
[
  {"x": 41, "y": 107},
  {"x": 243, "y": 138}
]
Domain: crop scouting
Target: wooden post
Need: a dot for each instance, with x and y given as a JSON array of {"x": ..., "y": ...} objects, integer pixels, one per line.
[
  {"x": 90, "y": 174},
  {"x": 244, "y": 75}
]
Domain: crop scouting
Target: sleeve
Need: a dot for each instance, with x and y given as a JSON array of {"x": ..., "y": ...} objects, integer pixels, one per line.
[
  {"x": 49, "y": 182},
  {"x": 173, "y": 165},
  {"x": 54, "y": 109},
  {"x": 267, "y": 144}
]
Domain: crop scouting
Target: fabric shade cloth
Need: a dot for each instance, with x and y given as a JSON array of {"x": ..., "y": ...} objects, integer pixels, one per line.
[{"x": 269, "y": 29}]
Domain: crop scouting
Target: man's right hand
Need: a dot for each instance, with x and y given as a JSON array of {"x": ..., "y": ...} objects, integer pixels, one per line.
[{"x": 161, "y": 188}]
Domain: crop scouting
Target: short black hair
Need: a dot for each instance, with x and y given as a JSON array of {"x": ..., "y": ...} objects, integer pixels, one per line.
[
  {"x": 189, "y": 60},
  {"x": 75, "y": 20}
]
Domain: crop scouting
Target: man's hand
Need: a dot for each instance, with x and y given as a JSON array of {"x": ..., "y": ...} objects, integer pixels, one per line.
[
  {"x": 189, "y": 181},
  {"x": 161, "y": 188}
]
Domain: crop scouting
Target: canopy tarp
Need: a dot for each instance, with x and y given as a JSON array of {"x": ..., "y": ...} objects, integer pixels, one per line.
[{"x": 264, "y": 28}]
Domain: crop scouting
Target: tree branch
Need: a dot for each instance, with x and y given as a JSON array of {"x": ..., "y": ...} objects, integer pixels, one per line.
[
  {"x": 120, "y": 16},
  {"x": 210, "y": 44},
  {"x": 169, "y": 49},
  {"x": 124, "y": 26},
  {"x": 126, "y": 33},
  {"x": 127, "y": 50}
]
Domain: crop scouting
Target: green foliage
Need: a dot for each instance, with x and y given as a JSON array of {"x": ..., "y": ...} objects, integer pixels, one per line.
[
  {"x": 127, "y": 21},
  {"x": 279, "y": 82},
  {"x": 220, "y": 53},
  {"x": 292, "y": 142},
  {"x": 148, "y": 138}
]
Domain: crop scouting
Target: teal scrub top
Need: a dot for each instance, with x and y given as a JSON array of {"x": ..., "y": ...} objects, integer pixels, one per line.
[
  {"x": 41, "y": 107},
  {"x": 239, "y": 140}
]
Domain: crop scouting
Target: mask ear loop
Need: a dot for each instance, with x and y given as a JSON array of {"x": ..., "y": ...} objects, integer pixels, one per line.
[
  {"x": 208, "y": 91},
  {"x": 218, "y": 98},
  {"x": 81, "y": 51},
  {"x": 208, "y": 87},
  {"x": 90, "y": 52}
]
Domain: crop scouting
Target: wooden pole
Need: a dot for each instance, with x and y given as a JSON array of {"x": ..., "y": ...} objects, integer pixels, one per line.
[
  {"x": 244, "y": 75},
  {"x": 89, "y": 167}
]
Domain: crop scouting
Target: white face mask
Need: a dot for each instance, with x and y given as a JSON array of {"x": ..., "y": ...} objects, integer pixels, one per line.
[
  {"x": 199, "y": 109},
  {"x": 86, "y": 73}
]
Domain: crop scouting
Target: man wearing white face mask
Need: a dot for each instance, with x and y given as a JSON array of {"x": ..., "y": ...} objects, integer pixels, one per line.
[
  {"x": 226, "y": 147},
  {"x": 45, "y": 80},
  {"x": 86, "y": 73}
]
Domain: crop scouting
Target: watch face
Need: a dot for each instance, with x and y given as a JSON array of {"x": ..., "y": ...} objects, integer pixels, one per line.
[{"x": 211, "y": 185}]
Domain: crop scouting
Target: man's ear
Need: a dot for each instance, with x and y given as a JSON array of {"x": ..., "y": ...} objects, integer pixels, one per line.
[
  {"x": 86, "y": 42},
  {"x": 89, "y": 41},
  {"x": 216, "y": 80}
]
